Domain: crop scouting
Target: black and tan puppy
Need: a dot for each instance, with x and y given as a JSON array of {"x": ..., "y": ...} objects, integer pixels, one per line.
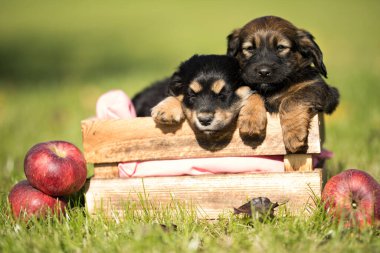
[
  {"x": 207, "y": 91},
  {"x": 284, "y": 64}
]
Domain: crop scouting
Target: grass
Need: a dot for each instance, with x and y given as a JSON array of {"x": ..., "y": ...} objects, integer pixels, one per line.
[
  {"x": 182, "y": 232},
  {"x": 57, "y": 58}
]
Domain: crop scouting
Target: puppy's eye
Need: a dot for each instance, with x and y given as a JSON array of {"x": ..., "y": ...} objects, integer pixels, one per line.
[
  {"x": 249, "y": 49},
  {"x": 191, "y": 95},
  {"x": 222, "y": 96},
  {"x": 280, "y": 48}
]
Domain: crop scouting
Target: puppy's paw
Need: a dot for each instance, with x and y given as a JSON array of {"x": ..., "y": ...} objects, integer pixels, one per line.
[
  {"x": 295, "y": 122},
  {"x": 295, "y": 139},
  {"x": 252, "y": 126},
  {"x": 252, "y": 119},
  {"x": 168, "y": 112}
]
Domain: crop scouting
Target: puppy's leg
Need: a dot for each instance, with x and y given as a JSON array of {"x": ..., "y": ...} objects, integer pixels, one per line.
[
  {"x": 295, "y": 120},
  {"x": 252, "y": 119},
  {"x": 168, "y": 111}
]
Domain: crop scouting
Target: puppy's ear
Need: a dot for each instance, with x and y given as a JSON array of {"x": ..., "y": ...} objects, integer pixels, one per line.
[
  {"x": 175, "y": 85},
  {"x": 233, "y": 43},
  {"x": 310, "y": 49}
]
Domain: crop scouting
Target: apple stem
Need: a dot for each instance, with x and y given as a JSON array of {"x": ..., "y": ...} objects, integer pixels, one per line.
[
  {"x": 59, "y": 152},
  {"x": 354, "y": 204}
]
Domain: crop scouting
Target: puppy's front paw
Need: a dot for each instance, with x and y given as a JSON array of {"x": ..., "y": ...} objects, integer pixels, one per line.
[
  {"x": 168, "y": 111},
  {"x": 252, "y": 125},
  {"x": 295, "y": 139},
  {"x": 295, "y": 121},
  {"x": 252, "y": 119}
]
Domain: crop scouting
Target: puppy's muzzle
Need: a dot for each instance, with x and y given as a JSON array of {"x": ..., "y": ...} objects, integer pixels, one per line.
[
  {"x": 205, "y": 118},
  {"x": 260, "y": 73},
  {"x": 264, "y": 71}
]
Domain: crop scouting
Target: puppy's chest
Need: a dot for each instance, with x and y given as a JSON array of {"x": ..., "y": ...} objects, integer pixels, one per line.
[{"x": 272, "y": 103}]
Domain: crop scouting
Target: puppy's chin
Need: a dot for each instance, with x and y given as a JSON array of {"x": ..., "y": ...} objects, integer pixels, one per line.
[
  {"x": 214, "y": 136},
  {"x": 210, "y": 134},
  {"x": 215, "y": 131},
  {"x": 264, "y": 85},
  {"x": 214, "y": 139},
  {"x": 268, "y": 87},
  {"x": 211, "y": 130},
  {"x": 250, "y": 77}
]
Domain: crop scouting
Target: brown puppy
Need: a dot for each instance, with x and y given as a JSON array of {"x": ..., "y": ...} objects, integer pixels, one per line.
[{"x": 284, "y": 64}]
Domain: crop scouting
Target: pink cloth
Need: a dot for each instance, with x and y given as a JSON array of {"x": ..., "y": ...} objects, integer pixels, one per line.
[
  {"x": 202, "y": 166},
  {"x": 115, "y": 104}
]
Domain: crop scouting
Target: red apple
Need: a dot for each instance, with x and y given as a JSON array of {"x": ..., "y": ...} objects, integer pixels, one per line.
[
  {"x": 56, "y": 168},
  {"x": 27, "y": 201},
  {"x": 353, "y": 197}
]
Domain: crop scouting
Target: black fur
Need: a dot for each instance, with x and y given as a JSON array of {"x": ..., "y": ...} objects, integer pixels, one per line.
[
  {"x": 145, "y": 100},
  {"x": 204, "y": 69}
]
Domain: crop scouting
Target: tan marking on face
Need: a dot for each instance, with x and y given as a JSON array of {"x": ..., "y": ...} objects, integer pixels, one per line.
[
  {"x": 272, "y": 37},
  {"x": 224, "y": 117},
  {"x": 284, "y": 52},
  {"x": 217, "y": 86},
  {"x": 254, "y": 40},
  {"x": 195, "y": 86},
  {"x": 260, "y": 36},
  {"x": 246, "y": 46},
  {"x": 190, "y": 115},
  {"x": 285, "y": 43}
]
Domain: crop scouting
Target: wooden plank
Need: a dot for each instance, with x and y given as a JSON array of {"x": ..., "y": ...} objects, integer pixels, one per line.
[
  {"x": 107, "y": 170},
  {"x": 322, "y": 127},
  {"x": 140, "y": 139},
  {"x": 298, "y": 162},
  {"x": 212, "y": 194}
]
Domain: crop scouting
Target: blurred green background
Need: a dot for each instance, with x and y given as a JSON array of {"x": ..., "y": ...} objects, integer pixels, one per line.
[{"x": 58, "y": 57}]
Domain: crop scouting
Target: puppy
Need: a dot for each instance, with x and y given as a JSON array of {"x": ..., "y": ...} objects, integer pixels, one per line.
[
  {"x": 208, "y": 92},
  {"x": 284, "y": 65}
]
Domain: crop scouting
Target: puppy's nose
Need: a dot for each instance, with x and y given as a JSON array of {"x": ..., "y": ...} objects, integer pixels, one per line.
[
  {"x": 264, "y": 72},
  {"x": 205, "y": 118}
]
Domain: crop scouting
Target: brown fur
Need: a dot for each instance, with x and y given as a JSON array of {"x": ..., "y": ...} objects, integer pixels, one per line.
[
  {"x": 253, "y": 124},
  {"x": 285, "y": 65},
  {"x": 195, "y": 86},
  {"x": 218, "y": 86},
  {"x": 169, "y": 111}
]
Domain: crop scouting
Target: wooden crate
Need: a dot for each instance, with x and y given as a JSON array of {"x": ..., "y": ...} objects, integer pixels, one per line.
[{"x": 108, "y": 142}]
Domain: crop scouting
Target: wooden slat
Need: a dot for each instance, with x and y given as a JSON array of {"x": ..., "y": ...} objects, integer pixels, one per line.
[
  {"x": 139, "y": 139},
  {"x": 322, "y": 127},
  {"x": 298, "y": 162},
  {"x": 106, "y": 170},
  {"x": 212, "y": 194}
]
